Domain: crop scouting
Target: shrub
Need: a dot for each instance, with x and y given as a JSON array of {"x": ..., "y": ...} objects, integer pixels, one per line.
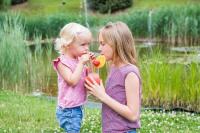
[
  {"x": 109, "y": 6},
  {"x": 14, "y": 2}
]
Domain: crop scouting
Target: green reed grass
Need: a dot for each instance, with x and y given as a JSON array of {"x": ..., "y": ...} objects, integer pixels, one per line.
[
  {"x": 13, "y": 51},
  {"x": 41, "y": 65},
  {"x": 168, "y": 84},
  {"x": 177, "y": 24},
  {"x": 21, "y": 68}
]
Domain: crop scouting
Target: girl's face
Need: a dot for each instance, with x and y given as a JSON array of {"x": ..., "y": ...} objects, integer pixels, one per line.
[
  {"x": 81, "y": 45},
  {"x": 105, "y": 48}
]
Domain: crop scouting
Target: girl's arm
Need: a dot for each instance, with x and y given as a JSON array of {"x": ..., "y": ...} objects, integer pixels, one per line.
[
  {"x": 129, "y": 111},
  {"x": 72, "y": 78}
]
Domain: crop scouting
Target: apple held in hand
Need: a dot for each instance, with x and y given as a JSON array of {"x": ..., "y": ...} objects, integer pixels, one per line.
[{"x": 95, "y": 76}]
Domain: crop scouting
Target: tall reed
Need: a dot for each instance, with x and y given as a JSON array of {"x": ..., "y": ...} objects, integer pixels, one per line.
[
  {"x": 179, "y": 25},
  {"x": 13, "y": 51},
  {"x": 22, "y": 69},
  {"x": 168, "y": 84}
]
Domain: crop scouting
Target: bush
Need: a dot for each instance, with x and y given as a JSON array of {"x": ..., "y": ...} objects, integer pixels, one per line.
[
  {"x": 109, "y": 6},
  {"x": 14, "y": 2}
]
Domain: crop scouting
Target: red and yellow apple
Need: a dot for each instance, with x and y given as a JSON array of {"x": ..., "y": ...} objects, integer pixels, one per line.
[{"x": 95, "y": 76}]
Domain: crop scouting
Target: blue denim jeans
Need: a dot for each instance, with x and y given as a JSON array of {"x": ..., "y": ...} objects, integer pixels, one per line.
[
  {"x": 132, "y": 131},
  {"x": 70, "y": 119}
]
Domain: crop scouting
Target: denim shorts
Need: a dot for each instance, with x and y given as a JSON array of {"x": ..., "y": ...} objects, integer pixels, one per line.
[
  {"x": 131, "y": 131},
  {"x": 70, "y": 119}
]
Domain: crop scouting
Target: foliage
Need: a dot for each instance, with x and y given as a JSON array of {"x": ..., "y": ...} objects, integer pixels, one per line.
[
  {"x": 168, "y": 83},
  {"x": 13, "y": 2},
  {"x": 12, "y": 50},
  {"x": 20, "y": 68},
  {"x": 175, "y": 25},
  {"x": 108, "y": 6}
]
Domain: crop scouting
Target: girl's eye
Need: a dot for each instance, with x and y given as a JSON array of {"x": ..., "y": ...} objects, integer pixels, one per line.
[{"x": 83, "y": 44}]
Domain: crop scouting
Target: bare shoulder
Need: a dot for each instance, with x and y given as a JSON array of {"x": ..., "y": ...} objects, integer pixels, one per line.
[
  {"x": 132, "y": 76},
  {"x": 132, "y": 80}
]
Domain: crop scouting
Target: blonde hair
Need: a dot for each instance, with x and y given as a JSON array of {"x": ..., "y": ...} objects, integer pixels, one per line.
[
  {"x": 120, "y": 38},
  {"x": 68, "y": 34}
]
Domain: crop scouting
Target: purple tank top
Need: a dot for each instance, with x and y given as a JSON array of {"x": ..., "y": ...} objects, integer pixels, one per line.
[{"x": 112, "y": 122}]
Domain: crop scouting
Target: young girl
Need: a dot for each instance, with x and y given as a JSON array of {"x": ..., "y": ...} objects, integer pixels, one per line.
[
  {"x": 122, "y": 95},
  {"x": 73, "y": 46}
]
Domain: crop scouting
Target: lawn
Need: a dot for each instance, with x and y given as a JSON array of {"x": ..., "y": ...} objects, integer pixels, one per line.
[
  {"x": 151, "y": 4},
  {"x": 29, "y": 114},
  {"x": 45, "y": 7}
]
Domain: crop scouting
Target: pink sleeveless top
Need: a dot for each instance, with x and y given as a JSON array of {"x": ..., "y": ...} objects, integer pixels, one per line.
[{"x": 70, "y": 96}]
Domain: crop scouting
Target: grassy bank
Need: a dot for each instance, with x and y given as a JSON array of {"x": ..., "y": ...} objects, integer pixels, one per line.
[
  {"x": 25, "y": 113},
  {"x": 153, "y": 4},
  {"x": 177, "y": 25},
  {"x": 46, "y": 7}
]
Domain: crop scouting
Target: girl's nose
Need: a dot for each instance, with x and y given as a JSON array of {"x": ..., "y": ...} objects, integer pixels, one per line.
[
  {"x": 99, "y": 48},
  {"x": 86, "y": 48}
]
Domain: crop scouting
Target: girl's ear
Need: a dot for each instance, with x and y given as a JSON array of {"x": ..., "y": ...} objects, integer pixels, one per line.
[{"x": 65, "y": 46}]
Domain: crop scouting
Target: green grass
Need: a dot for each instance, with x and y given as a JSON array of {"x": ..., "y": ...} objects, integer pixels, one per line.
[
  {"x": 26, "y": 114},
  {"x": 20, "y": 113},
  {"x": 37, "y": 7},
  {"x": 152, "y": 4},
  {"x": 44, "y": 7}
]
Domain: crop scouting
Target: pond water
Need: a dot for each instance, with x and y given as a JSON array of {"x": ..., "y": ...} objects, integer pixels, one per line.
[{"x": 182, "y": 55}]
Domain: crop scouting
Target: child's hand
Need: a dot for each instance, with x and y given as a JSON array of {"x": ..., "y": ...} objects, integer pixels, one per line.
[
  {"x": 84, "y": 58},
  {"x": 92, "y": 55},
  {"x": 95, "y": 89}
]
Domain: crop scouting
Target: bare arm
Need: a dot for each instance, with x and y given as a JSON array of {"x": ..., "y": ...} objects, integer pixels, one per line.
[
  {"x": 129, "y": 111},
  {"x": 72, "y": 78}
]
